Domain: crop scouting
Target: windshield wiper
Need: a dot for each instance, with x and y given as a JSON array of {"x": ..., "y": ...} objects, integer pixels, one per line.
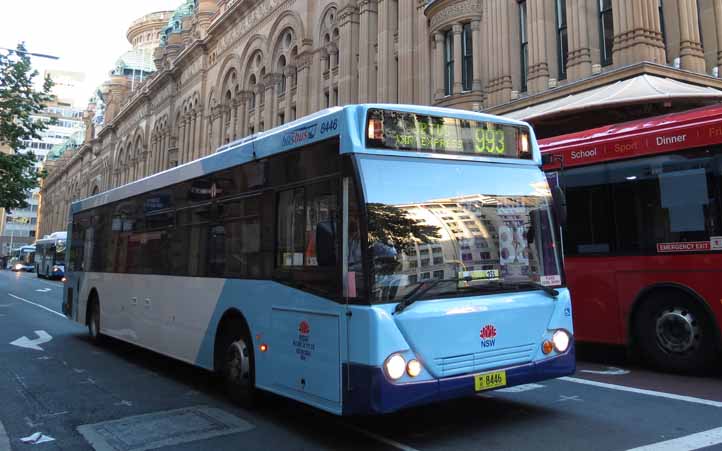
[
  {"x": 529, "y": 283},
  {"x": 420, "y": 290}
]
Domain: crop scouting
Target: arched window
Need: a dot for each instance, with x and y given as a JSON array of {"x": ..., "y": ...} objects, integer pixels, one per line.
[{"x": 252, "y": 87}]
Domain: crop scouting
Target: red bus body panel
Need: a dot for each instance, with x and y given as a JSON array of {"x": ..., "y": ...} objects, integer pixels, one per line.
[{"x": 604, "y": 289}]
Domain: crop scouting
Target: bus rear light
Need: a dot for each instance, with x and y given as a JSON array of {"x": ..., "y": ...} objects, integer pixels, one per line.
[
  {"x": 376, "y": 129},
  {"x": 395, "y": 366},
  {"x": 263, "y": 347},
  {"x": 413, "y": 368},
  {"x": 547, "y": 347},
  {"x": 561, "y": 340}
]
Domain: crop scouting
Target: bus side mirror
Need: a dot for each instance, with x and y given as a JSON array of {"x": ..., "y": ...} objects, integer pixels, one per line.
[
  {"x": 560, "y": 205},
  {"x": 326, "y": 243}
]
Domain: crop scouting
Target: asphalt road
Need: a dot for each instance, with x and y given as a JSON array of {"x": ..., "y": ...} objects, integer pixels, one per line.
[{"x": 69, "y": 382}]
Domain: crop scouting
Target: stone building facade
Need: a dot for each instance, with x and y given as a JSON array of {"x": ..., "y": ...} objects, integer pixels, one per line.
[{"x": 230, "y": 68}]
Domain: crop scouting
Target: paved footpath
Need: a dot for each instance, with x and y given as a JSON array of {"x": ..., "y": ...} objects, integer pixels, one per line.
[{"x": 56, "y": 388}]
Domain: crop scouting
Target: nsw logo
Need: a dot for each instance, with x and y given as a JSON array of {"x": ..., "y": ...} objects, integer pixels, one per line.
[
  {"x": 488, "y": 336},
  {"x": 304, "y": 328}
]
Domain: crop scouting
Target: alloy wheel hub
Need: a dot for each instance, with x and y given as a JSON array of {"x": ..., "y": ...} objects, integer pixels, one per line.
[{"x": 677, "y": 330}]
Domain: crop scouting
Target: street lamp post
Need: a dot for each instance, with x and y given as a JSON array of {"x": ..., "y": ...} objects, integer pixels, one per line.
[{"x": 39, "y": 55}]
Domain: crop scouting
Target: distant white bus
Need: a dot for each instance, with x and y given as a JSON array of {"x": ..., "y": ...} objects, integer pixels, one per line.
[
  {"x": 50, "y": 256},
  {"x": 22, "y": 259}
]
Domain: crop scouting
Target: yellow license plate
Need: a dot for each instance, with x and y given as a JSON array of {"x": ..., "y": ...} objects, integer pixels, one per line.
[{"x": 488, "y": 381}]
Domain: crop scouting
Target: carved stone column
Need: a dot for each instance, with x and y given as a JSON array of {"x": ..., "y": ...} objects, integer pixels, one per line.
[
  {"x": 476, "y": 54},
  {"x": 718, "y": 29},
  {"x": 348, "y": 41},
  {"x": 690, "y": 48},
  {"x": 538, "y": 67},
  {"x": 579, "y": 59},
  {"x": 302, "y": 94},
  {"x": 368, "y": 35},
  {"x": 388, "y": 73},
  {"x": 406, "y": 78},
  {"x": 424, "y": 89},
  {"x": 456, "y": 31}
]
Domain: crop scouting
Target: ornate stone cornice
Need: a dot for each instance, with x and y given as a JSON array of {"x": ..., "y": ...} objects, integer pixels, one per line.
[{"x": 448, "y": 12}]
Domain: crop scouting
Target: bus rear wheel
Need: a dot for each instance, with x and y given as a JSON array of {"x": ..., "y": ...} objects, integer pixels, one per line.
[
  {"x": 675, "y": 333},
  {"x": 238, "y": 364}
]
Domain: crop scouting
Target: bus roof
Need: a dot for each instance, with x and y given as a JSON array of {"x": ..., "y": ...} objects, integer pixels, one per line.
[
  {"x": 52, "y": 238},
  {"x": 659, "y": 134},
  {"x": 303, "y": 131}
]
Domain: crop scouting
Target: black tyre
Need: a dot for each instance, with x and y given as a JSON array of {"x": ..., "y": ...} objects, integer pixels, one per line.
[
  {"x": 237, "y": 363},
  {"x": 94, "y": 321},
  {"x": 675, "y": 333}
]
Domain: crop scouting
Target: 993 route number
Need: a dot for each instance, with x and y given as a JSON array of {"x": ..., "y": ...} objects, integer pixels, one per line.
[{"x": 329, "y": 126}]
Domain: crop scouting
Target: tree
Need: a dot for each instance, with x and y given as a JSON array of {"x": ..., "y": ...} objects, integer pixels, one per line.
[{"x": 19, "y": 101}]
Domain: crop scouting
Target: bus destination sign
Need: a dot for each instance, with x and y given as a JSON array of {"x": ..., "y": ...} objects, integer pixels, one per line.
[{"x": 400, "y": 130}]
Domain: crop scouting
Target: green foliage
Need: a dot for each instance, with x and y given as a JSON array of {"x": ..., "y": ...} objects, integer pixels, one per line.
[{"x": 19, "y": 101}]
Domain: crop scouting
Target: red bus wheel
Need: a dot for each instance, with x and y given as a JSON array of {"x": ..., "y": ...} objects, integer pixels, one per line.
[{"x": 675, "y": 333}]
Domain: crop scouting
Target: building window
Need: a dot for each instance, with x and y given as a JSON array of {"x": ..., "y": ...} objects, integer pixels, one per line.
[
  {"x": 467, "y": 61},
  {"x": 448, "y": 63},
  {"x": 335, "y": 96},
  {"x": 327, "y": 100},
  {"x": 660, "y": 7},
  {"x": 281, "y": 118},
  {"x": 524, "y": 44},
  {"x": 562, "y": 39},
  {"x": 606, "y": 31}
]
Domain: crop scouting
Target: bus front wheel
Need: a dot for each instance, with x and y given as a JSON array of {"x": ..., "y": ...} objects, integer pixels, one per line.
[
  {"x": 94, "y": 321},
  {"x": 238, "y": 364},
  {"x": 675, "y": 333}
]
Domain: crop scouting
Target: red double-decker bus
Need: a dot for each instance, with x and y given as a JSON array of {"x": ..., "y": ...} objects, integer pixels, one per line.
[{"x": 643, "y": 239}]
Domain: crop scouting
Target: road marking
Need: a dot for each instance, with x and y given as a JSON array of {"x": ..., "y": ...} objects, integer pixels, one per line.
[
  {"x": 25, "y": 342},
  {"x": 520, "y": 388},
  {"x": 564, "y": 398},
  {"x": 43, "y": 290},
  {"x": 37, "y": 438},
  {"x": 4, "y": 439},
  {"x": 610, "y": 371},
  {"x": 379, "y": 438},
  {"x": 642, "y": 391},
  {"x": 686, "y": 443},
  {"x": 37, "y": 305}
]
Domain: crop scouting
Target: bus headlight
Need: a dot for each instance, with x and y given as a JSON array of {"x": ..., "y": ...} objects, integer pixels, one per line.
[
  {"x": 561, "y": 340},
  {"x": 56, "y": 269},
  {"x": 413, "y": 368},
  {"x": 18, "y": 267},
  {"x": 395, "y": 366}
]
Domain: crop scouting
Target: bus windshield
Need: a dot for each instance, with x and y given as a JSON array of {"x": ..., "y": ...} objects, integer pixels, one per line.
[{"x": 470, "y": 226}]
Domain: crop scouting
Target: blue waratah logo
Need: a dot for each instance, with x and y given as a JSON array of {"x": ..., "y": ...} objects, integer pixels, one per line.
[{"x": 299, "y": 135}]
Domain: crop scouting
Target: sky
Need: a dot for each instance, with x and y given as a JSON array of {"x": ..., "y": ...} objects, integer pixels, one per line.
[{"x": 87, "y": 35}]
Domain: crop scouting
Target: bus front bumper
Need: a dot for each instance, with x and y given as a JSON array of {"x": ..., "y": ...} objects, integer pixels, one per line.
[{"x": 371, "y": 392}]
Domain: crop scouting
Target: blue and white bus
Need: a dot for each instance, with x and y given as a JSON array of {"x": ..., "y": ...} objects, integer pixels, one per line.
[
  {"x": 50, "y": 256},
  {"x": 362, "y": 259}
]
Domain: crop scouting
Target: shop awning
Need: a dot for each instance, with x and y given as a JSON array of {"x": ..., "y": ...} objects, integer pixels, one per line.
[{"x": 637, "y": 90}]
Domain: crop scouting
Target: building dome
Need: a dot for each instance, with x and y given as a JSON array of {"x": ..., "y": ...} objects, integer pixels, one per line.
[{"x": 175, "y": 24}]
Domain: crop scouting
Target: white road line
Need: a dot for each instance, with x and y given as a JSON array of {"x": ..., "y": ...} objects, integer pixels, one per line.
[
  {"x": 37, "y": 305},
  {"x": 520, "y": 388},
  {"x": 686, "y": 443},
  {"x": 642, "y": 391},
  {"x": 4, "y": 439},
  {"x": 379, "y": 438}
]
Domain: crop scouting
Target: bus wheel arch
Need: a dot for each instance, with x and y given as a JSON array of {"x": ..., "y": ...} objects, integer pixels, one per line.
[
  {"x": 234, "y": 357},
  {"x": 672, "y": 328}
]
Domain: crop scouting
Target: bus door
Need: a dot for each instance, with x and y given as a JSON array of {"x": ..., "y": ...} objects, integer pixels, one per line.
[{"x": 309, "y": 332}]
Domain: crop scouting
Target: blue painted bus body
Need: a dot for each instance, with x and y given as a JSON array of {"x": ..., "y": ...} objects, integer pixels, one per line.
[{"x": 323, "y": 353}]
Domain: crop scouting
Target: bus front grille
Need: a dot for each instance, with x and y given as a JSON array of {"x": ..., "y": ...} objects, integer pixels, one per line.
[{"x": 480, "y": 361}]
